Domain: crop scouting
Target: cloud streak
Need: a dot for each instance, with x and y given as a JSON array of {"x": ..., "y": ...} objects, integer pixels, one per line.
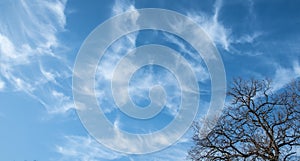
[
  {"x": 222, "y": 35},
  {"x": 211, "y": 25},
  {"x": 283, "y": 76},
  {"x": 84, "y": 148}
]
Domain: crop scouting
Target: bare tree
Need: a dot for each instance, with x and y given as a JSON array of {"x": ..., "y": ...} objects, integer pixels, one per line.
[{"x": 259, "y": 124}]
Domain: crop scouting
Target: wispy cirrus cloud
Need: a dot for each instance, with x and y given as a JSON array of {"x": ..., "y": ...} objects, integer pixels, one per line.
[
  {"x": 115, "y": 52},
  {"x": 30, "y": 57},
  {"x": 283, "y": 75},
  {"x": 196, "y": 61},
  {"x": 92, "y": 150},
  {"x": 84, "y": 148},
  {"x": 213, "y": 27},
  {"x": 122, "y": 6},
  {"x": 222, "y": 35}
]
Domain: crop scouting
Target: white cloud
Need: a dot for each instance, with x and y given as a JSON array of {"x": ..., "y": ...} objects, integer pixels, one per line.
[
  {"x": 121, "y": 6},
  {"x": 118, "y": 49},
  {"x": 49, "y": 76},
  {"x": 197, "y": 65},
  {"x": 84, "y": 148},
  {"x": 223, "y": 35},
  {"x": 121, "y": 46},
  {"x": 63, "y": 102},
  {"x": 12, "y": 55},
  {"x": 176, "y": 152},
  {"x": 6, "y": 47},
  {"x": 28, "y": 41},
  {"x": 283, "y": 76},
  {"x": 211, "y": 25},
  {"x": 2, "y": 85},
  {"x": 248, "y": 38}
]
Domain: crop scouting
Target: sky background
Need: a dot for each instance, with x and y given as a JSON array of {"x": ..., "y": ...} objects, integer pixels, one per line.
[{"x": 39, "y": 41}]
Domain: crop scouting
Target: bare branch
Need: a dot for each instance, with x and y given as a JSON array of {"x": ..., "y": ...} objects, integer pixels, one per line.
[{"x": 259, "y": 124}]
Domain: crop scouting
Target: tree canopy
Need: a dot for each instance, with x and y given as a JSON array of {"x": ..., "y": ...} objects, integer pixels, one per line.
[{"x": 260, "y": 123}]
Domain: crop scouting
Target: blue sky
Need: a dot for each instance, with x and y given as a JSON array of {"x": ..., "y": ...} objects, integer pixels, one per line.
[{"x": 39, "y": 41}]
